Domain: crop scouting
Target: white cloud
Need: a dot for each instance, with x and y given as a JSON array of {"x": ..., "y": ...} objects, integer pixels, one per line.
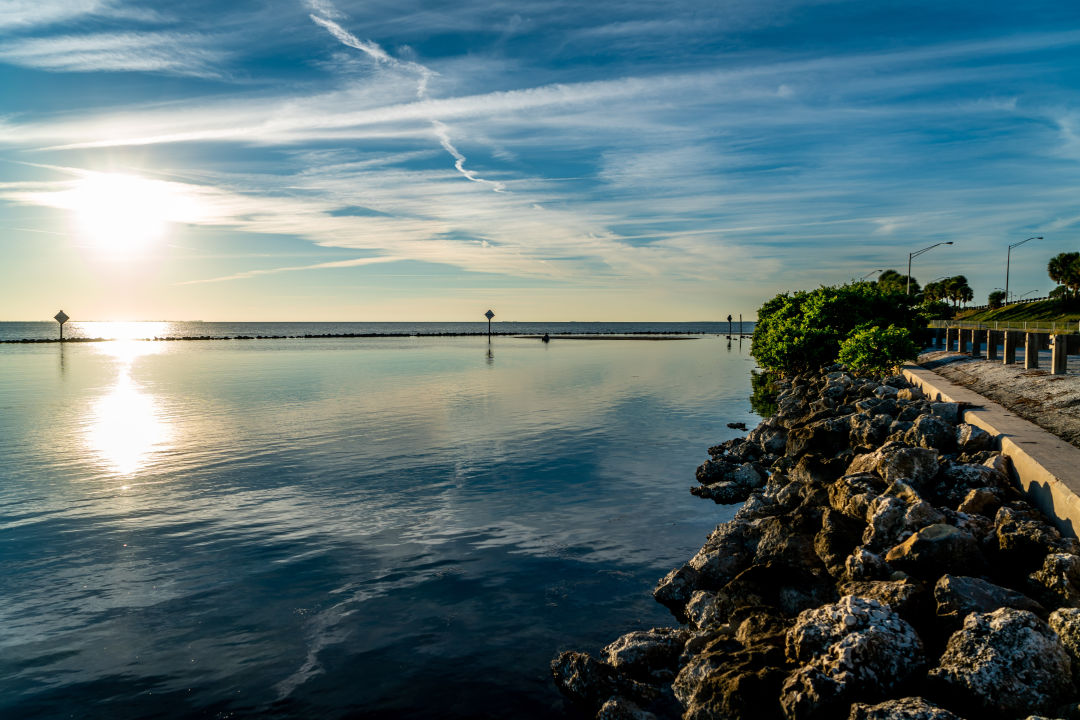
[{"x": 174, "y": 53}]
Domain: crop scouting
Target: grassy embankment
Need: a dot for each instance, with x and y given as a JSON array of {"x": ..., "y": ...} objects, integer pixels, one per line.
[{"x": 1043, "y": 311}]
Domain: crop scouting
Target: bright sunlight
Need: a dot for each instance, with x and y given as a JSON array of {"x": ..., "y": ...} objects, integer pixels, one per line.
[{"x": 121, "y": 215}]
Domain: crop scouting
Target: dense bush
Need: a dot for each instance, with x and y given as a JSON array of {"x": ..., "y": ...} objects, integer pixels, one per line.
[
  {"x": 873, "y": 349},
  {"x": 996, "y": 299},
  {"x": 803, "y": 330}
]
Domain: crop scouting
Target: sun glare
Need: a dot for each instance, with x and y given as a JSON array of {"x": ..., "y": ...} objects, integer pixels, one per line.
[{"x": 122, "y": 215}]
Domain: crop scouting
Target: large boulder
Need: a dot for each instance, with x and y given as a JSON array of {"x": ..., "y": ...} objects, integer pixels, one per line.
[
  {"x": 1066, "y": 623},
  {"x": 1024, "y": 538},
  {"x": 896, "y": 461},
  {"x": 869, "y": 429},
  {"x": 1004, "y": 664},
  {"x": 786, "y": 588},
  {"x": 910, "y": 708},
  {"x": 647, "y": 655},
  {"x": 722, "y": 682},
  {"x": 1057, "y": 582},
  {"x": 837, "y": 538},
  {"x": 619, "y": 708},
  {"x": 853, "y": 650},
  {"x": 935, "y": 550},
  {"x": 824, "y": 437},
  {"x": 958, "y": 479},
  {"x": 853, "y": 493},
  {"x": 958, "y": 596},
  {"x": 589, "y": 683},
  {"x": 972, "y": 439},
  {"x": 930, "y": 431},
  {"x": 907, "y": 596}
]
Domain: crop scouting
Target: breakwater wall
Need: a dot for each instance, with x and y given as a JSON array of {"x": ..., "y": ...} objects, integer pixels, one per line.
[{"x": 883, "y": 564}]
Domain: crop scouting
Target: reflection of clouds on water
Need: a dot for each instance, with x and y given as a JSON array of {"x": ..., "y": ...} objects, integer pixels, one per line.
[{"x": 126, "y": 424}]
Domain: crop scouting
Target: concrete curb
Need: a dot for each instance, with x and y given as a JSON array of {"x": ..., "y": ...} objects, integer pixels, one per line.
[{"x": 1046, "y": 467}]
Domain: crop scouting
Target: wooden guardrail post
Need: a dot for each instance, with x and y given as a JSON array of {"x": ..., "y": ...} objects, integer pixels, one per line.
[
  {"x": 1059, "y": 356},
  {"x": 1009, "y": 352},
  {"x": 1031, "y": 350},
  {"x": 991, "y": 345}
]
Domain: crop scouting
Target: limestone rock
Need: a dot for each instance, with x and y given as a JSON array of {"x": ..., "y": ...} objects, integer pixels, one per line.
[
  {"x": 981, "y": 501},
  {"x": 647, "y": 655},
  {"x": 852, "y": 493},
  {"x": 1024, "y": 538},
  {"x": 589, "y": 683},
  {"x": 837, "y": 538},
  {"x": 824, "y": 437},
  {"x": 910, "y": 708},
  {"x": 894, "y": 461},
  {"x": 970, "y": 439},
  {"x": 1057, "y": 582},
  {"x": 619, "y": 708},
  {"x": 742, "y": 683},
  {"x": 949, "y": 412},
  {"x": 854, "y": 649},
  {"x": 907, "y": 596},
  {"x": 714, "y": 471},
  {"x": 862, "y": 564},
  {"x": 1006, "y": 664},
  {"x": 957, "y": 479},
  {"x": 869, "y": 429},
  {"x": 958, "y": 596},
  {"x": 910, "y": 394},
  {"x": 1066, "y": 623},
  {"x": 703, "y": 611},
  {"x": 935, "y": 550},
  {"x": 930, "y": 431}
]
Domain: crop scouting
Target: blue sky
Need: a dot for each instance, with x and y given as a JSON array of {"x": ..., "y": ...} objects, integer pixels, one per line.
[{"x": 325, "y": 159}]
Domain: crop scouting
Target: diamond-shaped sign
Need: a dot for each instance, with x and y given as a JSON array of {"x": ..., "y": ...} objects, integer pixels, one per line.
[
  {"x": 489, "y": 314},
  {"x": 61, "y": 317}
]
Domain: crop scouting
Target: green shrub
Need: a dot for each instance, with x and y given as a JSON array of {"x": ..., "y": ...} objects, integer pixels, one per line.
[
  {"x": 803, "y": 330},
  {"x": 873, "y": 349}
]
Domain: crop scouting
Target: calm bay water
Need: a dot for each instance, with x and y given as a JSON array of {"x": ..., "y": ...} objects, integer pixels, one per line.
[{"x": 407, "y": 527}]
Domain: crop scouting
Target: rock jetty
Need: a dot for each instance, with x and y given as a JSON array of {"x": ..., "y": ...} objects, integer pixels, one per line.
[{"x": 882, "y": 567}]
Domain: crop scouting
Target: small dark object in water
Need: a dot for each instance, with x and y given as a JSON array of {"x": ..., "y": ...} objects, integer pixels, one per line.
[
  {"x": 737, "y": 426},
  {"x": 546, "y": 338}
]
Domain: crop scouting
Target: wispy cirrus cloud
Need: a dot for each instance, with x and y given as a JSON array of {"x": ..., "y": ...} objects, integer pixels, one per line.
[
  {"x": 333, "y": 265},
  {"x": 159, "y": 52}
]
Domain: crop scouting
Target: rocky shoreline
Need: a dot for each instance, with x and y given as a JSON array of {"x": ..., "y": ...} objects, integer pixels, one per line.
[{"x": 882, "y": 566}]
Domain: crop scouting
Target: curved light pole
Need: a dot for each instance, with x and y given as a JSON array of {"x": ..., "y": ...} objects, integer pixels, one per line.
[
  {"x": 1027, "y": 293},
  {"x": 1008, "y": 257},
  {"x": 869, "y": 274},
  {"x": 916, "y": 254}
]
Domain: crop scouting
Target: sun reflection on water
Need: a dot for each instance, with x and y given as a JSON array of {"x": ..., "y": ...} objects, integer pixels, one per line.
[{"x": 126, "y": 425}]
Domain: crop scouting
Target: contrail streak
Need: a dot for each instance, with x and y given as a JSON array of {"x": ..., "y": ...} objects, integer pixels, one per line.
[{"x": 323, "y": 8}]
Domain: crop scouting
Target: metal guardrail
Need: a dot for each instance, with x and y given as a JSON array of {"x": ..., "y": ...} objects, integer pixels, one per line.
[{"x": 1053, "y": 327}]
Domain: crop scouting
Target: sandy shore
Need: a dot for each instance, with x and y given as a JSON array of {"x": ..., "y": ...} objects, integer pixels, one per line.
[{"x": 1050, "y": 401}]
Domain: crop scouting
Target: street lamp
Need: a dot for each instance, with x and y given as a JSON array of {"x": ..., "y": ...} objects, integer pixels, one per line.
[
  {"x": 1008, "y": 257},
  {"x": 916, "y": 254},
  {"x": 1027, "y": 293},
  {"x": 868, "y": 274}
]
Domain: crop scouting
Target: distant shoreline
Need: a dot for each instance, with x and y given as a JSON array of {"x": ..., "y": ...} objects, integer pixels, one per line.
[{"x": 633, "y": 335}]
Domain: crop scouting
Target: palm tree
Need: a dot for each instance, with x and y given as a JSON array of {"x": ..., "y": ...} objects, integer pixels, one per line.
[{"x": 1064, "y": 269}]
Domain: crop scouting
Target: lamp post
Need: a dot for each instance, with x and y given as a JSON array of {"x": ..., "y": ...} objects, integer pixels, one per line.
[
  {"x": 1027, "y": 293},
  {"x": 916, "y": 254},
  {"x": 868, "y": 274},
  {"x": 1008, "y": 257}
]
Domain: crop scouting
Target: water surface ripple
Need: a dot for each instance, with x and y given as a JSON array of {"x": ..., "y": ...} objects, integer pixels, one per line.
[{"x": 407, "y": 527}]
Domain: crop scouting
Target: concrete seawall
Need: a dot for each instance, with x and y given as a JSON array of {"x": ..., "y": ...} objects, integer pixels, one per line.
[{"x": 1047, "y": 468}]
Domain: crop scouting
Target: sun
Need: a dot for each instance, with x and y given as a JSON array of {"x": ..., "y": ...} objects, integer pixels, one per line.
[{"x": 121, "y": 215}]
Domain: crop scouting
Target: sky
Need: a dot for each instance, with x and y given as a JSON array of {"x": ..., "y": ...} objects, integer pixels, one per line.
[{"x": 551, "y": 160}]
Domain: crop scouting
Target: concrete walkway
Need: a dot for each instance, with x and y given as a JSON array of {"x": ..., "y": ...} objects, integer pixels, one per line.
[{"x": 1047, "y": 467}]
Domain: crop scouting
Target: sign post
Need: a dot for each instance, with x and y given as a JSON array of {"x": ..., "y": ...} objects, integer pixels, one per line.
[
  {"x": 489, "y": 315},
  {"x": 61, "y": 317}
]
